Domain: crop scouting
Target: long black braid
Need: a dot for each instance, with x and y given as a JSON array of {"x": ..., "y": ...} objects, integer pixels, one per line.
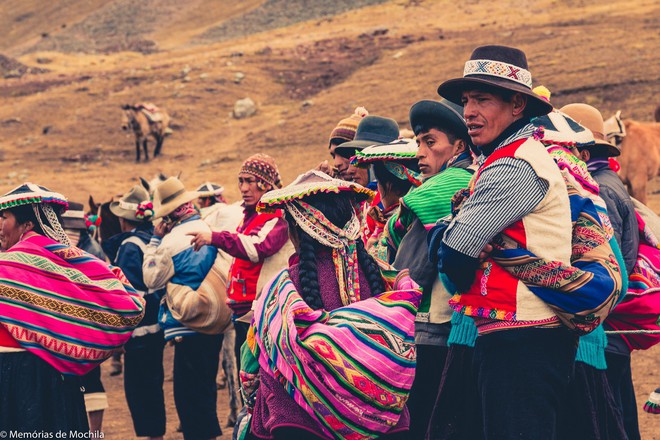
[
  {"x": 309, "y": 278},
  {"x": 370, "y": 268},
  {"x": 338, "y": 209}
]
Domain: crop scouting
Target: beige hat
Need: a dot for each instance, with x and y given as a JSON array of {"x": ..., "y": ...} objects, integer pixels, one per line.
[
  {"x": 127, "y": 206},
  {"x": 169, "y": 195},
  {"x": 591, "y": 119}
]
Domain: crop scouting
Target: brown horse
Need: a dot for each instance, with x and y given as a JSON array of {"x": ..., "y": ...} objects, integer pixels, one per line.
[
  {"x": 640, "y": 152},
  {"x": 146, "y": 120},
  {"x": 109, "y": 224}
]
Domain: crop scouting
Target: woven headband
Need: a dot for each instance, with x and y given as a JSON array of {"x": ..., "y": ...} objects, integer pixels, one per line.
[
  {"x": 52, "y": 228},
  {"x": 342, "y": 241},
  {"x": 498, "y": 69}
]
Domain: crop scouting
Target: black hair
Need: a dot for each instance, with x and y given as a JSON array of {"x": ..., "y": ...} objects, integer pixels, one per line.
[
  {"x": 211, "y": 198},
  {"x": 426, "y": 125},
  {"x": 338, "y": 209},
  {"x": 346, "y": 153},
  {"x": 136, "y": 223},
  {"x": 392, "y": 183},
  {"x": 25, "y": 213}
]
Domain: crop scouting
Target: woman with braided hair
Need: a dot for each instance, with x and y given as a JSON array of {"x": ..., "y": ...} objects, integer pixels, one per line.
[
  {"x": 330, "y": 350},
  {"x": 315, "y": 261}
]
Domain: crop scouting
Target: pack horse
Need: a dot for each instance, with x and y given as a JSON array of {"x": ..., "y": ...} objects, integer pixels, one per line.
[{"x": 145, "y": 120}]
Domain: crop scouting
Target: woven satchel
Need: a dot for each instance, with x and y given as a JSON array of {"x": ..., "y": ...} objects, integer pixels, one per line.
[{"x": 204, "y": 310}]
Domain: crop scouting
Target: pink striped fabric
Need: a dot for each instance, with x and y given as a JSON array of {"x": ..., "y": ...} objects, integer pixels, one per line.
[
  {"x": 64, "y": 305},
  {"x": 352, "y": 368}
]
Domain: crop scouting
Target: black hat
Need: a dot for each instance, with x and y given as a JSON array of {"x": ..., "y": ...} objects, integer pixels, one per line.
[
  {"x": 497, "y": 66},
  {"x": 372, "y": 130},
  {"x": 74, "y": 217},
  {"x": 443, "y": 112}
]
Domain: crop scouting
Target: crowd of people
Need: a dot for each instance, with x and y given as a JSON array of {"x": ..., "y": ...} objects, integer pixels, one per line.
[{"x": 466, "y": 281}]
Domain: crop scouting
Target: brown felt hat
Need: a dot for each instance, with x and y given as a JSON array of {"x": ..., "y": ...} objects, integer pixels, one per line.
[
  {"x": 169, "y": 195},
  {"x": 500, "y": 67},
  {"x": 591, "y": 119}
]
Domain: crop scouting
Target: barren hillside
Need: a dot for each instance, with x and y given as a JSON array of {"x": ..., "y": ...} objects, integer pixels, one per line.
[{"x": 303, "y": 78}]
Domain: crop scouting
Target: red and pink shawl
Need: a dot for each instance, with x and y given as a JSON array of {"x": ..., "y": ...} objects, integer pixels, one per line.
[
  {"x": 64, "y": 305},
  {"x": 638, "y": 315}
]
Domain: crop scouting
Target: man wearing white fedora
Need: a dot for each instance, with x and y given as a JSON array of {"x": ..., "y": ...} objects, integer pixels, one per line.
[{"x": 170, "y": 258}]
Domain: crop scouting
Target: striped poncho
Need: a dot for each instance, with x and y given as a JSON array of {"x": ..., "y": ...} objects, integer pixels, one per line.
[
  {"x": 64, "y": 305},
  {"x": 350, "y": 369}
]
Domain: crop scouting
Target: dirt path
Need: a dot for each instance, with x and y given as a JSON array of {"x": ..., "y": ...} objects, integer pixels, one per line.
[
  {"x": 117, "y": 423},
  {"x": 118, "y": 426}
]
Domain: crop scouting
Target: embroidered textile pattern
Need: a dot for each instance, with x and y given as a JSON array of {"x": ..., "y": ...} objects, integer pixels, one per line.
[
  {"x": 55, "y": 232},
  {"x": 64, "y": 305},
  {"x": 498, "y": 68},
  {"x": 403, "y": 173},
  {"x": 350, "y": 369}
]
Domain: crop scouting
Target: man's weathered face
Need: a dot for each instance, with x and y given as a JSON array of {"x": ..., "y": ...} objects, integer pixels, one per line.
[
  {"x": 340, "y": 163},
  {"x": 250, "y": 190},
  {"x": 358, "y": 175},
  {"x": 487, "y": 115},
  {"x": 434, "y": 151}
]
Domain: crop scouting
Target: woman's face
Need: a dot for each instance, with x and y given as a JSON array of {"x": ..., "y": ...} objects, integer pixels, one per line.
[{"x": 10, "y": 230}]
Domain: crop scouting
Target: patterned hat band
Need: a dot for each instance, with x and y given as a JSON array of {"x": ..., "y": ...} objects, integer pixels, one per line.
[
  {"x": 128, "y": 206},
  {"x": 498, "y": 69}
]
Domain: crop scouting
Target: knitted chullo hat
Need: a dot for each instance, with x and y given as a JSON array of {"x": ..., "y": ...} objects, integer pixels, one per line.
[
  {"x": 346, "y": 128},
  {"x": 264, "y": 168},
  {"x": 652, "y": 405}
]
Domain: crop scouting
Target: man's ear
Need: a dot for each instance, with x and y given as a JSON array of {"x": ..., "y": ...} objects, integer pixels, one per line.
[
  {"x": 459, "y": 147},
  {"x": 519, "y": 103}
]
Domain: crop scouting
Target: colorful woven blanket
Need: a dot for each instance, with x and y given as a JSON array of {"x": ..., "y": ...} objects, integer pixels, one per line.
[
  {"x": 64, "y": 305},
  {"x": 583, "y": 293},
  {"x": 639, "y": 312},
  {"x": 352, "y": 368}
]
